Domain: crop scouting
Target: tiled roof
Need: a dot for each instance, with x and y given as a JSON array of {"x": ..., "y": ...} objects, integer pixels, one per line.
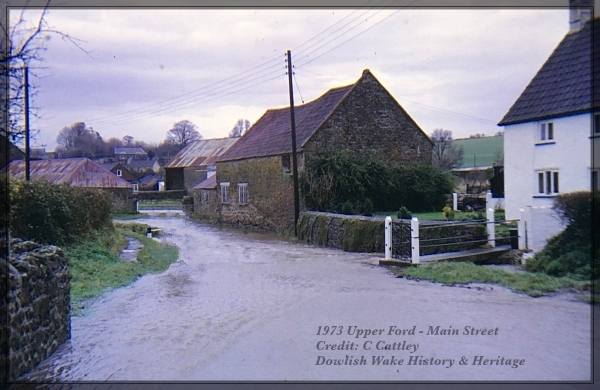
[
  {"x": 271, "y": 134},
  {"x": 202, "y": 152},
  {"x": 563, "y": 85},
  {"x": 208, "y": 183},
  {"x": 78, "y": 172},
  {"x": 142, "y": 163},
  {"x": 126, "y": 150}
]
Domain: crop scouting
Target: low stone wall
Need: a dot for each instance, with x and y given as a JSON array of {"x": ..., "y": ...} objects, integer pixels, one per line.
[
  {"x": 38, "y": 311},
  {"x": 161, "y": 195},
  {"x": 351, "y": 233},
  {"x": 124, "y": 200}
]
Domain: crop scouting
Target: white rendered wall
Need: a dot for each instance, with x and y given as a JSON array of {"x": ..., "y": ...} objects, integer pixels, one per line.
[{"x": 570, "y": 154}]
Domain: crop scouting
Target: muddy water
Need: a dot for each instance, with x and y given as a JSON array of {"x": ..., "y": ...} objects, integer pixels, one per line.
[{"x": 248, "y": 307}]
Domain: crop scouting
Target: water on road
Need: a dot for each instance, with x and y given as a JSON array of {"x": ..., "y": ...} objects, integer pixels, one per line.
[{"x": 241, "y": 306}]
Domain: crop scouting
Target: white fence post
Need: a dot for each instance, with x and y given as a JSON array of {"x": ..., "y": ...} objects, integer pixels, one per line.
[
  {"x": 414, "y": 234},
  {"x": 522, "y": 232},
  {"x": 488, "y": 200},
  {"x": 454, "y": 201},
  {"x": 491, "y": 229},
  {"x": 388, "y": 238}
]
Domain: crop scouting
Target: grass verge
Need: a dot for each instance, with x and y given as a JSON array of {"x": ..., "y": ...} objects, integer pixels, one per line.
[
  {"x": 532, "y": 284},
  {"x": 95, "y": 266}
]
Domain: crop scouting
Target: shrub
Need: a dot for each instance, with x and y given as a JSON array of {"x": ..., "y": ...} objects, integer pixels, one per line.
[
  {"x": 448, "y": 213},
  {"x": 368, "y": 207},
  {"x": 338, "y": 177},
  {"x": 570, "y": 252},
  {"x": 347, "y": 208},
  {"x": 403, "y": 213},
  {"x": 56, "y": 214}
]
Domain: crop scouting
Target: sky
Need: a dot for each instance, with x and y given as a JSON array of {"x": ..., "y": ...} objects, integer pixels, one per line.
[{"x": 138, "y": 71}]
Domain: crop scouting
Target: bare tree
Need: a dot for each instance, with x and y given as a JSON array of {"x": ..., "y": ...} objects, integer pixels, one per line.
[
  {"x": 445, "y": 155},
  {"x": 240, "y": 128},
  {"x": 127, "y": 140},
  {"x": 78, "y": 140},
  {"x": 22, "y": 45},
  {"x": 182, "y": 133}
]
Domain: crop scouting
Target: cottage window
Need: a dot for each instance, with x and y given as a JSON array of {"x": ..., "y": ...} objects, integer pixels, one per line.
[
  {"x": 205, "y": 197},
  {"x": 285, "y": 163},
  {"x": 119, "y": 172},
  {"x": 595, "y": 184},
  {"x": 225, "y": 192},
  {"x": 135, "y": 187},
  {"x": 546, "y": 132},
  {"x": 243, "y": 193},
  {"x": 596, "y": 124},
  {"x": 548, "y": 182}
]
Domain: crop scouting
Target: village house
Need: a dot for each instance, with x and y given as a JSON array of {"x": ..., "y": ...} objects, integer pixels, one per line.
[
  {"x": 78, "y": 172},
  {"x": 253, "y": 183},
  {"x": 123, "y": 172},
  {"x": 130, "y": 153},
  {"x": 552, "y": 128},
  {"x": 194, "y": 163}
]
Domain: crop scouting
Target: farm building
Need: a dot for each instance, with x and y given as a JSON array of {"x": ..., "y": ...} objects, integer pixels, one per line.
[
  {"x": 78, "y": 172},
  {"x": 253, "y": 178},
  {"x": 195, "y": 162}
]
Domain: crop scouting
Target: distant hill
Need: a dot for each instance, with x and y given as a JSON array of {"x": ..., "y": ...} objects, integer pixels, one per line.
[{"x": 481, "y": 152}]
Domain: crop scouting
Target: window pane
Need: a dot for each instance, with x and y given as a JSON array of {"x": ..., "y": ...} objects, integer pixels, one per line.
[
  {"x": 555, "y": 182},
  {"x": 541, "y": 183},
  {"x": 543, "y": 131},
  {"x": 594, "y": 180},
  {"x": 597, "y": 123},
  {"x": 548, "y": 181},
  {"x": 550, "y": 131}
]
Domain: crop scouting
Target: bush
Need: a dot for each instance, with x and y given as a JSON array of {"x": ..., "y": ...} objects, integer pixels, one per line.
[
  {"x": 368, "y": 207},
  {"x": 338, "y": 177},
  {"x": 448, "y": 213},
  {"x": 347, "y": 208},
  {"x": 570, "y": 252},
  {"x": 403, "y": 213},
  {"x": 56, "y": 214}
]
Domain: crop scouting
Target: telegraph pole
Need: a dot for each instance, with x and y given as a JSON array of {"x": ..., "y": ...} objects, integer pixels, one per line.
[
  {"x": 294, "y": 159},
  {"x": 26, "y": 120}
]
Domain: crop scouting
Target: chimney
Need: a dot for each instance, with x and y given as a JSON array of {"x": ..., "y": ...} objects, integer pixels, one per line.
[{"x": 581, "y": 12}]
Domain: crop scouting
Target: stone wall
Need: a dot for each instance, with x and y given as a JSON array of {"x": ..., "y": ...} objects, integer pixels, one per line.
[
  {"x": 352, "y": 233},
  {"x": 38, "y": 304},
  {"x": 370, "y": 123},
  {"x": 270, "y": 194},
  {"x": 161, "y": 195},
  {"x": 123, "y": 200}
]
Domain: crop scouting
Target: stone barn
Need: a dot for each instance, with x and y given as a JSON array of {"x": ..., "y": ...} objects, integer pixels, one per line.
[{"x": 254, "y": 177}]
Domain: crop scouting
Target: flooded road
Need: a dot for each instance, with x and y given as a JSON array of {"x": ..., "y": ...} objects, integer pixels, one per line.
[{"x": 248, "y": 307}]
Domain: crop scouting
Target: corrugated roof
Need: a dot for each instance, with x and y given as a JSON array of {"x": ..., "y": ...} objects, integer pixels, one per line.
[
  {"x": 271, "y": 134},
  {"x": 78, "y": 172},
  {"x": 563, "y": 86},
  {"x": 207, "y": 184},
  {"x": 202, "y": 152}
]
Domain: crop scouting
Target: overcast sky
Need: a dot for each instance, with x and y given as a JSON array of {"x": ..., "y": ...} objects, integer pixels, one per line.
[{"x": 457, "y": 69}]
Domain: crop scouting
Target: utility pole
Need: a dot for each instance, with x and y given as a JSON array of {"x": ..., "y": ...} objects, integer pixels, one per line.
[
  {"x": 294, "y": 159},
  {"x": 26, "y": 120}
]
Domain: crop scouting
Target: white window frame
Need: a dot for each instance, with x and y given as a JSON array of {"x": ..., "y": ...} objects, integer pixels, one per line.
[
  {"x": 545, "y": 132},
  {"x": 243, "y": 193},
  {"x": 135, "y": 187},
  {"x": 119, "y": 172},
  {"x": 225, "y": 192},
  {"x": 547, "y": 182}
]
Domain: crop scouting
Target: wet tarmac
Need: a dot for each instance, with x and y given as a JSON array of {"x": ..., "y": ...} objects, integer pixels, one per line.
[{"x": 252, "y": 307}]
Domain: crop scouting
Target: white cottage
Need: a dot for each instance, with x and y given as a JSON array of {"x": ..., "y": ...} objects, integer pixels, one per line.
[{"x": 551, "y": 129}]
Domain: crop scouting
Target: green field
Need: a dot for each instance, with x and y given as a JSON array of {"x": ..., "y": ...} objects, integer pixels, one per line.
[{"x": 480, "y": 152}]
